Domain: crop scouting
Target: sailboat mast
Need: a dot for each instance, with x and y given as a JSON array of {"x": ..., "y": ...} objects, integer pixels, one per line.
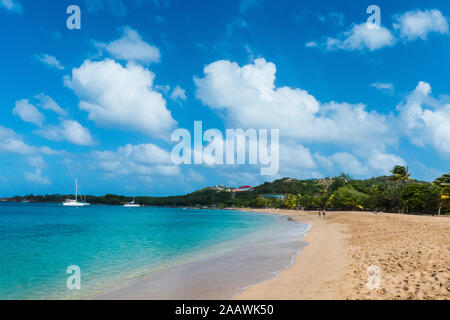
[{"x": 76, "y": 190}]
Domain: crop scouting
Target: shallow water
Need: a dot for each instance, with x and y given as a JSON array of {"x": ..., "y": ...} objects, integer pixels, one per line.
[{"x": 148, "y": 252}]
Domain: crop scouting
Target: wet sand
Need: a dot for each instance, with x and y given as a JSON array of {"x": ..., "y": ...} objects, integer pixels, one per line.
[{"x": 411, "y": 252}]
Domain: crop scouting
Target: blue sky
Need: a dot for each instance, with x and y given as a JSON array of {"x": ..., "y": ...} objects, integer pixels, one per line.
[{"x": 99, "y": 104}]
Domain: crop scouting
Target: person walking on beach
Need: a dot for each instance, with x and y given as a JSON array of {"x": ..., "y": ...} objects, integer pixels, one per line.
[{"x": 320, "y": 214}]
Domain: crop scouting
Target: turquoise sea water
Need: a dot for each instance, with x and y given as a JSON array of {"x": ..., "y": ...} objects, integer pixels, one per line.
[{"x": 115, "y": 245}]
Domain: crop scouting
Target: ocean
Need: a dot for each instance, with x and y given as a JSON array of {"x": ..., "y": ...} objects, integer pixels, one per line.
[{"x": 140, "y": 253}]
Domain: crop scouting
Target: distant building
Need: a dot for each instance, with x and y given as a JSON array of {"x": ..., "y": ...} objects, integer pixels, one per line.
[
  {"x": 222, "y": 188},
  {"x": 274, "y": 196}
]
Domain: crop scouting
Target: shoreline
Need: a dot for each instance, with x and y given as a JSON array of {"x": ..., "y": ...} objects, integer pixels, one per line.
[
  {"x": 318, "y": 269},
  {"x": 260, "y": 257},
  {"x": 411, "y": 252}
]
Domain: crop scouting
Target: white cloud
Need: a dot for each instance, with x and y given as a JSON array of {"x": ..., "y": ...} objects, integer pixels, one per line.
[
  {"x": 141, "y": 160},
  {"x": 296, "y": 156},
  {"x": 384, "y": 163},
  {"x": 249, "y": 99},
  {"x": 11, "y": 5},
  {"x": 425, "y": 119},
  {"x": 368, "y": 163},
  {"x": 69, "y": 130},
  {"x": 163, "y": 88},
  {"x": 194, "y": 176},
  {"x": 37, "y": 162},
  {"x": 36, "y": 177},
  {"x": 131, "y": 47},
  {"x": 28, "y": 112},
  {"x": 178, "y": 94},
  {"x": 145, "y": 153},
  {"x": 311, "y": 44},
  {"x": 47, "y": 103},
  {"x": 323, "y": 161},
  {"x": 10, "y": 142},
  {"x": 411, "y": 25},
  {"x": 386, "y": 87},
  {"x": 49, "y": 61},
  {"x": 360, "y": 37},
  {"x": 418, "y": 24},
  {"x": 118, "y": 96},
  {"x": 349, "y": 164}
]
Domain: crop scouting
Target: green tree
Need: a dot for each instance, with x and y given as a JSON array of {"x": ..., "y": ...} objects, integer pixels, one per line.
[
  {"x": 338, "y": 182},
  {"x": 308, "y": 202},
  {"x": 290, "y": 201},
  {"x": 347, "y": 198},
  {"x": 421, "y": 198},
  {"x": 400, "y": 173},
  {"x": 443, "y": 183}
]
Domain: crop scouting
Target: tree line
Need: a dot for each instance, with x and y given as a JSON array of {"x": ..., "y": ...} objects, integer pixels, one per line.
[{"x": 397, "y": 193}]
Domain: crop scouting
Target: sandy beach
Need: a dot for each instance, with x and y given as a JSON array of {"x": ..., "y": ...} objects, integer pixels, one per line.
[{"x": 411, "y": 252}]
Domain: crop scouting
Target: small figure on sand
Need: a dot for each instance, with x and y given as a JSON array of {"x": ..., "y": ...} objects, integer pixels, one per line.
[
  {"x": 324, "y": 213},
  {"x": 320, "y": 214}
]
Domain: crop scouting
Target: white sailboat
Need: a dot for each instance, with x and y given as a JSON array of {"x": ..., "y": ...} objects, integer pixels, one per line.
[
  {"x": 132, "y": 204},
  {"x": 75, "y": 203}
]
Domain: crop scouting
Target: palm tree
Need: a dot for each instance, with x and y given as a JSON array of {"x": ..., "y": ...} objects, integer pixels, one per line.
[
  {"x": 401, "y": 173},
  {"x": 443, "y": 183}
]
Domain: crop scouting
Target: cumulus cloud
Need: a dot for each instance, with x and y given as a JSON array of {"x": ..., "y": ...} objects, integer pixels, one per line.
[
  {"x": 114, "y": 96},
  {"x": 295, "y": 160},
  {"x": 383, "y": 162},
  {"x": 419, "y": 24},
  {"x": 178, "y": 94},
  {"x": 11, "y": 5},
  {"x": 349, "y": 164},
  {"x": 364, "y": 164},
  {"x": 36, "y": 177},
  {"x": 143, "y": 160},
  {"x": 426, "y": 120},
  {"x": 49, "y": 61},
  {"x": 409, "y": 26},
  {"x": 249, "y": 98},
  {"x": 69, "y": 130},
  {"x": 28, "y": 112},
  {"x": 47, "y": 103},
  {"x": 131, "y": 47},
  {"x": 11, "y": 142},
  {"x": 360, "y": 37}
]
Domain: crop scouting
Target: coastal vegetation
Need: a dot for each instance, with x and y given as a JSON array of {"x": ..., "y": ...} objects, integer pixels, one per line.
[{"x": 398, "y": 193}]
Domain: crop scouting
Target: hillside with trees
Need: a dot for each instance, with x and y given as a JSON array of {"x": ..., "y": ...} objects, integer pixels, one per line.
[{"x": 398, "y": 193}]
